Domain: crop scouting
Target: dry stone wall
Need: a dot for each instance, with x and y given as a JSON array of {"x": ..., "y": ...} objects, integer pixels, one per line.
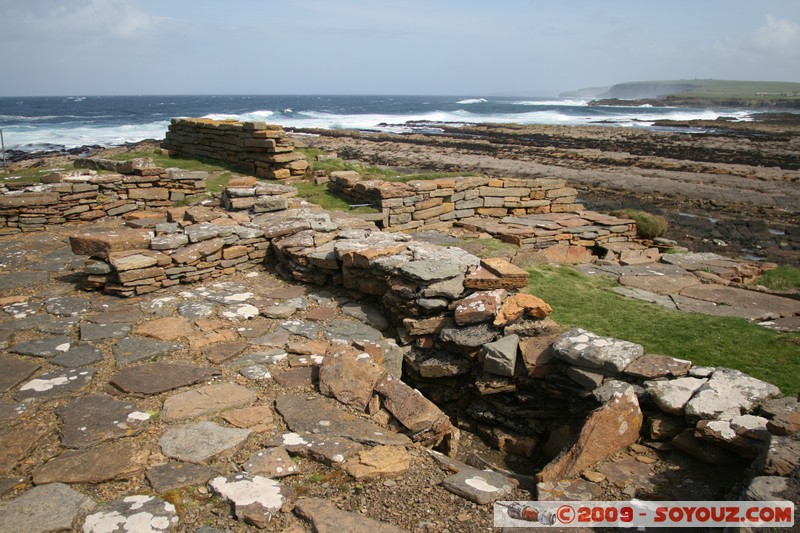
[
  {"x": 430, "y": 204},
  {"x": 86, "y": 195},
  {"x": 254, "y": 147}
]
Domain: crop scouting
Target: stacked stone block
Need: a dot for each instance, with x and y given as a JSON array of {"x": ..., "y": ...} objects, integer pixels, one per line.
[
  {"x": 253, "y": 147},
  {"x": 86, "y": 195},
  {"x": 431, "y": 204}
]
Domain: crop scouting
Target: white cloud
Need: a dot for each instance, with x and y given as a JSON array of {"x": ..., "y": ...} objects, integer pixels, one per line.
[{"x": 777, "y": 37}]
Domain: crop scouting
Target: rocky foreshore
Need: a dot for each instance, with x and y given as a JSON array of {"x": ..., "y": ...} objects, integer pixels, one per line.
[{"x": 727, "y": 187}]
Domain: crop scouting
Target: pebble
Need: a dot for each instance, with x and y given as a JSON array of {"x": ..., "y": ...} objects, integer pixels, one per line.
[
  {"x": 646, "y": 459},
  {"x": 594, "y": 477}
]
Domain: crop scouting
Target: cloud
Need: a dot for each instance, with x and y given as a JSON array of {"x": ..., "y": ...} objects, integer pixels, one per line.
[
  {"x": 76, "y": 21},
  {"x": 777, "y": 37}
]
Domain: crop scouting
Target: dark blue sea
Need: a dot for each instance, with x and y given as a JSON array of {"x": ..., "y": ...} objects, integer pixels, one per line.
[{"x": 41, "y": 123}]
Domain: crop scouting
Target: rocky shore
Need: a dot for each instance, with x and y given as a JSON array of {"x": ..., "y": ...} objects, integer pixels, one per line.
[{"x": 727, "y": 187}]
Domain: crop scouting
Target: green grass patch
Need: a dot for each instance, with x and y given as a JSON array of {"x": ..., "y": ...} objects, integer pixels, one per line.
[
  {"x": 405, "y": 178},
  {"x": 183, "y": 163},
  {"x": 585, "y": 301},
  {"x": 648, "y": 226},
  {"x": 320, "y": 195},
  {"x": 783, "y": 278},
  {"x": 30, "y": 174}
]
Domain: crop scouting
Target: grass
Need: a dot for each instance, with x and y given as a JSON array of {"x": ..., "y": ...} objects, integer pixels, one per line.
[
  {"x": 783, "y": 278},
  {"x": 183, "y": 163},
  {"x": 585, "y": 301},
  {"x": 648, "y": 226},
  {"x": 29, "y": 175},
  {"x": 320, "y": 195}
]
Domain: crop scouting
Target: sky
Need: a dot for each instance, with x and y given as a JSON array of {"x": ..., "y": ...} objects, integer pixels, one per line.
[{"x": 448, "y": 47}]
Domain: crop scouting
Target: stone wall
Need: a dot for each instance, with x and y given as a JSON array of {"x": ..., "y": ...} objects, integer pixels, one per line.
[
  {"x": 87, "y": 195},
  {"x": 431, "y": 204},
  {"x": 253, "y": 147},
  {"x": 471, "y": 342}
]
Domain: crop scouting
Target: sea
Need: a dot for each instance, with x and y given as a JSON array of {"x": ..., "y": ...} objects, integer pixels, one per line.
[{"x": 31, "y": 124}]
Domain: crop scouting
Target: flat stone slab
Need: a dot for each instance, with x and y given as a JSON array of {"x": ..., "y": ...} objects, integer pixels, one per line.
[
  {"x": 158, "y": 377},
  {"x": 52, "y": 507},
  {"x": 10, "y": 411},
  {"x": 350, "y": 330},
  {"x": 78, "y": 356},
  {"x": 660, "y": 284},
  {"x": 14, "y": 371},
  {"x": 201, "y": 441},
  {"x": 93, "y": 419},
  {"x": 196, "y": 309},
  {"x": 589, "y": 350},
  {"x": 45, "y": 347},
  {"x": 567, "y": 490},
  {"x": 16, "y": 442},
  {"x": 651, "y": 366},
  {"x": 66, "y": 305},
  {"x": 479, "y": 486},
  {"x": 789, "y": 324},
  {"x": 207, "y": 400},
  {"x": 55, "y": 384},
  {"x": 122, "y": 314},
  {"x": 646, "y": 296},
  {"x": 326, "y": 449},
  {"x": 302, "y": 328},
  {"x": 326, "y": 518},
  {"x": 175, "y": 475},
  {"x": 136, "y": 348},
  {"x": 628, "y": 471},
  {"x": 430, "y": 270},
  {"x": 304, "y": 376},
  {"x": 20, "y": 280},
  {"x": 671, "y": 396},
  {"x": 257, "y": 418},
  {"x": 315, "y": 415},
  {"x": 272, "y": 462},
  {"x": 255, "y": 499},
  {"x": 133, "y": 513},
  {"x": 116, "y": 460},
  {"x": 768, "y": 305},
  {"x": 95, "y": 332},
  {"x": 693, "y": 305},
  {"x": 727, "y": 394}
]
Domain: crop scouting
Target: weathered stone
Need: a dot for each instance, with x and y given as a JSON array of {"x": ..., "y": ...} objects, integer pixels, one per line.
[
  {"x": 781, "y": 457},
  {"x": 518, "y": 305},
  {"x": 671, "y": 396},
  {"x": 271, "y": 462},
  {"x": 56, "y": 384},
  {"x": 450, "y": 288},
  {"x": 366, "y": 313},
  {"x": 478, "y": 307},
  {"x": 728, "y": 393},
  {"x": 201, "y": 441},
  {"x": 257, "y": 418},
  {"x": 95, "y": 332},
  {"x": 132, "y": 262},
  {"x": 625, "y": 471},
  {"x": 479, "y": 486},
  {"x": 469, "y": 337},
  {"x": 604, "y": 392},
  {"x": 13, "y": 371},
  {"x": 766, "y": 489},
  {"x": 500, "y": 356},
  {"x": 155, "y": 378},
  {"x": 609, "y": 429},
  {"x": 133, "y": 513},
  {"x": 428, "y": 270},
  {"x": 326, "y": 449},
  {"x": 350, "y": 330},
  {"x": 255, "y": 499},
  {"x": 326, "y": 518},
  {"x": 175, "y": 475},
  {"x": 10, "y": 411},
  {"x": 66, "y": 305},
  {"x": 93, "y": 419},
  {"x": 706, "y": 452},
  {"x": 207, "y": 400},
  {"x": 378, "y": 462},
  {"x": 587, "y": 349},
  {"x": 502, "y": 268},
  {"x": 413, "y": 410},
  {"x": 135, "y": 348},
  {"x": 350, "y": 377},
  {"x": 169, "y": 241},
  {"x": 744, "y": 435},
  {"x": 165, "y": 329},
  {"x": 426, "y": 326},
  {"x": 52, "y": 507},
  {"x": 78, "y": 356},
  {"x": 437, "y": 364},
  {"x": 665, "y": 427},
  {"x": 652, "y": 366},
  {"x": 567, "y": 490},
  {"x": 45, "y": 347},
  {"x": 115, "y": 460},
  {"x": 298, "y": 377},
  {"x": 483, "y": 278},
  {"x": 585, "y": 378},
  {"x": 16, "y": 442},
  {"x": 785, "y": 424},
  {"x": 197, "y": 251},
  {"x": 302, "y": 328},
  {"x": 101, "y": 244},
  {"x": 314, "y": 415}
]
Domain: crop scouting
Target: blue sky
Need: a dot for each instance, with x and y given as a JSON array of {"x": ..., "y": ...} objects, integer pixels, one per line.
[{"x": 64, "y": 47}]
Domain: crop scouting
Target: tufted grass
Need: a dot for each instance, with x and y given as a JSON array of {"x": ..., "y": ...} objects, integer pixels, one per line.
[{"x": 585, "y": 301}]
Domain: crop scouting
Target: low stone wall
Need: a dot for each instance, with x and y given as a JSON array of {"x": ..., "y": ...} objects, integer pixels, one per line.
[
  {"x": 84, "y": 196},
  {"x": 254, "y": 147},
  {"x": 431, "y": 204}
]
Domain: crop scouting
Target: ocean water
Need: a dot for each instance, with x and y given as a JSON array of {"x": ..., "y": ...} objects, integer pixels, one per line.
[{"x": 42, "y": 123}]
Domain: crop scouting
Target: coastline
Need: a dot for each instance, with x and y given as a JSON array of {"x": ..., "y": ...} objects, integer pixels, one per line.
[{"x": 733, "y": 189}]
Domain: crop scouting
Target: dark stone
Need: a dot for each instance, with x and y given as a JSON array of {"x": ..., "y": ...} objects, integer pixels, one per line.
[
  {"x": 176, "y": 475},
  {"x": 116, "y": 460},
  {"x": 470, "y": 337},
  {"x": 45, "y": 347},
  {"x": 78, "y": 356},
  {"x": 13, "y": 371},
  {"x": 94, "y": 332},
  {"x": 56, "y": 384},
  {"x": 94, "y": 419},
  {"x": 155, "y": 378},
  {"x": 135, "y": 348}
]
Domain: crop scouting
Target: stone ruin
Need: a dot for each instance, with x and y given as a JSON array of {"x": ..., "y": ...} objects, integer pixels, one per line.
[{"x": 480, "y": 350}]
